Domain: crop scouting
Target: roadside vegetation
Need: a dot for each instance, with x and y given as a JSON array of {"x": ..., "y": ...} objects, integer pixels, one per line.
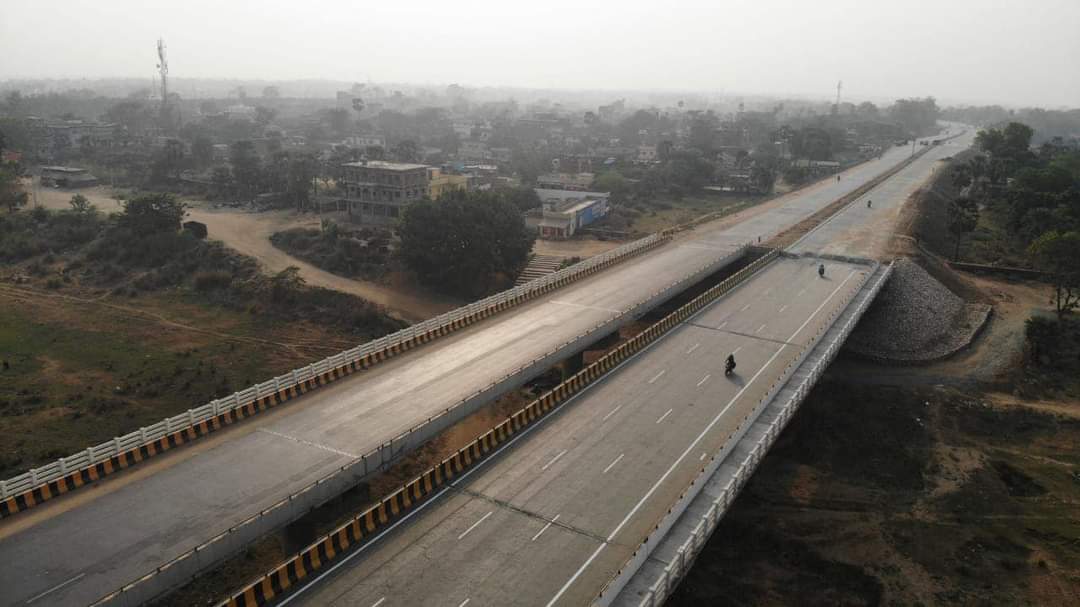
[
  {"x": 113, "y": 322},
  {"x": 465, "y": 244},
  {"x": 354, "y": 252}
]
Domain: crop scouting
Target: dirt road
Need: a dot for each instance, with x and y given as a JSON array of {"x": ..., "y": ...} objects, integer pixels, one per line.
[{"x": 249, "y": 233}]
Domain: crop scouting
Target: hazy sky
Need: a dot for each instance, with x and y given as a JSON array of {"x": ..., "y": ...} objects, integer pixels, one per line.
[{"x": 1013, "y": 52}]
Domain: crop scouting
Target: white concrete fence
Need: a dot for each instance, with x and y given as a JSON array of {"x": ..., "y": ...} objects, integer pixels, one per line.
[
  {"x": 93, "y": 455},
  {"x": 679, "y": 565}
]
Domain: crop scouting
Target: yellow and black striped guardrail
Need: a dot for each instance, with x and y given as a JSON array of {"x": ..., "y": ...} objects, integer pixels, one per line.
[
  {"x": 120, "y": 459},
  {"x": 361, "y": 528}
]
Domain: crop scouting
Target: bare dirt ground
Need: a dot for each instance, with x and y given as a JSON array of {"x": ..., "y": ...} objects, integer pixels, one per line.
[
  {"x": 249, "y": 233},
  {"x": 59, "y": 199},
  {"x": 583, "y": 247}
]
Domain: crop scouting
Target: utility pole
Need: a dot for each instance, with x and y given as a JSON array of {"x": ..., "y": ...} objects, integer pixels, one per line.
[{"x": 839, "y": 85}]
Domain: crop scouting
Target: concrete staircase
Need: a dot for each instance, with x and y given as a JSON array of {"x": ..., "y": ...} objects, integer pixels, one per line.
[{"x": 539, "y": 265}]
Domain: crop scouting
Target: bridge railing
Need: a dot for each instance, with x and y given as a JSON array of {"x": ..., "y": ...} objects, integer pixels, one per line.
[
  {"x": 667, "y": 520},
  {"x": 392, "y": 343},
  {"x": 183, "y": 567},
  {"x": 684, "y": 557}
]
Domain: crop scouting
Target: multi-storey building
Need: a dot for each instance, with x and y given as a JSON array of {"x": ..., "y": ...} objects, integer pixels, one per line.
[{"x": 378, "y": 191}]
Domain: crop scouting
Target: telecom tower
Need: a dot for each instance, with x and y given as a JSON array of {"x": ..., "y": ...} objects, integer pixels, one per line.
[
  {"x": 839, "y": 85},
  {"x": 163, "y": 69}
]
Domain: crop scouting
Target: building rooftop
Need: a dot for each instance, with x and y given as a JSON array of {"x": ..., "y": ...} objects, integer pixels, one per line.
[
  {"x": 387, "y": 166},
  {"x": 60, "y": 169}
]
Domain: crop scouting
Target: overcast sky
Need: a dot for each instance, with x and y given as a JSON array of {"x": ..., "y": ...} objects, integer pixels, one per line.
[{"x": 1022, "y": 52}]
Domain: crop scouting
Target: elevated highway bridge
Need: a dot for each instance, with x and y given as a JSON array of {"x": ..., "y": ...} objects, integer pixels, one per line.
[{"x": 651, "y": 429}]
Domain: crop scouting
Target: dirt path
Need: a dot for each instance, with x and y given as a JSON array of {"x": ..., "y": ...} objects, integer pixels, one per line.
[{"x": 249, "y": 233}]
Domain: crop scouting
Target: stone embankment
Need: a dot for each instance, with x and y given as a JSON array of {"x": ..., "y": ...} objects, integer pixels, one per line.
[{"x": 916, "y": 319}]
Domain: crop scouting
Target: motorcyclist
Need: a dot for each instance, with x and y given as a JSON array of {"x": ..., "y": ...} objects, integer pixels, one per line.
[
  {"x": 821, "y": 270},
  {"x": 869, "y": 203},
  {"x": 729, "y": 365}
]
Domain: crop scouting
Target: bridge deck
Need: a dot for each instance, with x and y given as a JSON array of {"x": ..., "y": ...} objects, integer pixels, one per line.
[
  {"x": 554, "y": 520},
  {"x": 81, "y": 547}
]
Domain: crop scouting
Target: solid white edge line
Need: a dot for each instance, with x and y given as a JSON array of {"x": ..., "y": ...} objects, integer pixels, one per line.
[
  {"x": 705, "y": 431},
  {"x": 57, "y": 587},
  {"x": 474, "y": 525},
  {"x": 312, "y": 582}
]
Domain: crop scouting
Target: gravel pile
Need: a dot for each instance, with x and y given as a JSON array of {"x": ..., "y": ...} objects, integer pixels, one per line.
[{"x": 915, "y": 318}]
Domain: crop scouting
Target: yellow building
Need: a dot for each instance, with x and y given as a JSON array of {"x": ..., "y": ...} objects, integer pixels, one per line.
[{"x": 439, "y": 183}]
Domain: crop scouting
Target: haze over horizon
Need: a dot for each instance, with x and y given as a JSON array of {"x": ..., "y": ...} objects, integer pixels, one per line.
[{"x": 1017, "y": 54}]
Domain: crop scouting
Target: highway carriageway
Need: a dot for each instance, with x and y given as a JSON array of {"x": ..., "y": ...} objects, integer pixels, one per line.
[
  {"x": 553, "y": 518},
  {"x": 76, "y": 549}
]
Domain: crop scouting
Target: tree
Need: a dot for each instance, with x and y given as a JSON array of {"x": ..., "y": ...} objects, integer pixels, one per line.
[
  {"x": 963, "y": 216},
  {"x": 153, "y": 214},
  {"x": 222, "y": 179},
  {"x": 285, "y": 284},
  {"x": 464, "y": 242},
  {"x": 202, "y": 151},
  {"x": 264, "y": 115},
  {"x": 246, "y": 166},
  {"x": 271, "y": 92},
  {"x": 11, "y": 194},
  {"x": 82, "y": 205},
  {"x": 407, "y": 151},
  {"x": 339, "y": 120},
  {"x": 1058, "y": 254},
  {"x": 524, "y": 198}
]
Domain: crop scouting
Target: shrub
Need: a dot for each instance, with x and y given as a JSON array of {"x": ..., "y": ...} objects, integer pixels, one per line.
[{"x": 212, "y": 280}]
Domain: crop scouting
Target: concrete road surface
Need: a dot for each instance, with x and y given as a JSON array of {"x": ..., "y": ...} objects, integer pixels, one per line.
[
  {"x": 865, "y": 231},
  {"x": 79, "y": 548},
  {"x": 551, "y": 520}
]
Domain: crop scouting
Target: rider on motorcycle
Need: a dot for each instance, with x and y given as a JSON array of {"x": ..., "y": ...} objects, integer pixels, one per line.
[{"x": 729, "y": 365}]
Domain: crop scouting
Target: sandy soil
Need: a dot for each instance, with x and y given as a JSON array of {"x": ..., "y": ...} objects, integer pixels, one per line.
[
  {"x": 59, "y": 199},
  {"x": 584, "y": 247},
  {"x": 249, "y": 233}
]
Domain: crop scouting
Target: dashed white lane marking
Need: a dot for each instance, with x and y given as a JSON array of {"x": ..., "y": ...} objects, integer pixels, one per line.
[
  {"x": 782, "y": 308},
  {"x": 703, "y": 380},
  {"x": 474, "y": 526},
  {"x": 761, "y": 328},
  {"x": 799, "y": 294},
  {"x": 662, "y": 417},
  {"x": 599, "y": 308},
  {"x": 554, "y": 459},
  {"x": 703, "y": 455},
  {"x": 678, "y": 460},
  {"x": 464, "y": 603},
  {"x": 309, "y": 443},
  {"x": 379, "y": 602},
  {"x": 610, "y": 413},
  {"x": 767, "y": 291},
  {"x": 57, "y": 587},
  {"x": 612, "y": 464},
  {"x": 541, "y": 532},
  {"x": 736, "y": 350},
  {"x": 658, "y": 376},
  {"x": 722, "y": 325},
  {"x": 745, "y": 308},
  {"x": 692, "y": 348}
]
